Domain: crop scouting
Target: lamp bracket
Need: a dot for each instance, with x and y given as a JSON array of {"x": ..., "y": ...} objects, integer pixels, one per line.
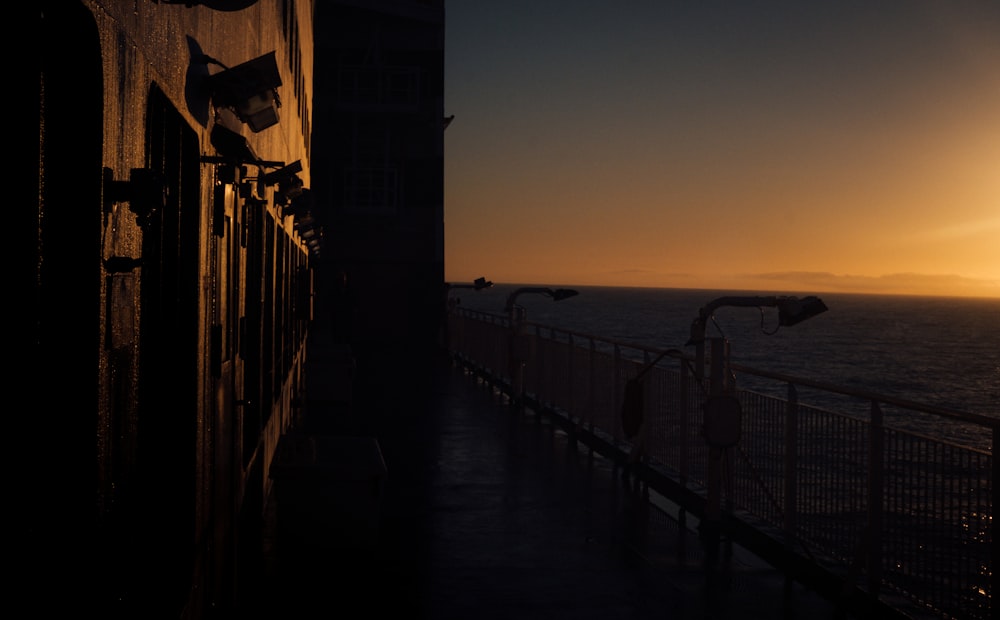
[
  {"x": 218, "y": 5},
  {"x": 145, "y": 192},
  {"x": 263, "y": 163},
  {"x": 284, "y": 173},
  {"x": 121, "y": 264}
]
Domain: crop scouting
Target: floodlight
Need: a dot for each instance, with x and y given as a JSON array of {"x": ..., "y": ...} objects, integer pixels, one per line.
[{"x": 250, "y": 89}]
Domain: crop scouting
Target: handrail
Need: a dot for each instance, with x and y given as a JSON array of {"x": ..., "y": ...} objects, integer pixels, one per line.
[{"x": 964, "y": 416}]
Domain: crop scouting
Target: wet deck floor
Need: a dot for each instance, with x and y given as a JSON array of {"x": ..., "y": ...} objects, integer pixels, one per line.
[{"x": 487, "y": 512}]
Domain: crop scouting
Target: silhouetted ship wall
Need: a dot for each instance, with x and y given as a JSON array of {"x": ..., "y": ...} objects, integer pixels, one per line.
[
  {"x": 172, "y": 298},
  {"x": 189, "y": 216}
]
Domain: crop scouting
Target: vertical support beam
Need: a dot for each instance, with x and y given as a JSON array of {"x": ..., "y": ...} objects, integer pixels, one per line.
[
  {"x": 717, "y": 377},
  {"x": 615, "y": 391},
  {"x": 992, "y": 524},
  {"x": 591, "y": 412},
  {"x": 791, "y": 465},
  {"x": 699, "y": 357},
  {"x": 570, "y": 383},
  {"x": 516, "y": 353},
  {"x": 685, "y": 400},
  {"x": 716, "y": 388},
  {"x": 876, "y": 476},
  {"x": 685, "y": 416},
  {"x": 535, "y": 353}
]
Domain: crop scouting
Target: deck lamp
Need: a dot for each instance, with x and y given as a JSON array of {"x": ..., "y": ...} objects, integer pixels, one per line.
[{"x": 791, "y": 311}]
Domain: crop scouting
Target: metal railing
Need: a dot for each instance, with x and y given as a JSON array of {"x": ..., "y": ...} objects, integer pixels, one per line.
[{"x": 842, "y": 480}]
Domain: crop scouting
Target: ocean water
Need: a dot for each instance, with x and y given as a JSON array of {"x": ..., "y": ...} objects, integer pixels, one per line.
[{"x": 940, "y": 351}]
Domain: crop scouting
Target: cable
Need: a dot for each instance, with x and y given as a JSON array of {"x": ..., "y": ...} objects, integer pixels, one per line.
[
  {"x": 208, "y": 60},
  {"x": 764, "y": 331}
]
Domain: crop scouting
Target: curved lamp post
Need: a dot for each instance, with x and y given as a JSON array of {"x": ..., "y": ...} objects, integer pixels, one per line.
[
  {"x": 722, "y": 422},
  {"x": 517, "y": 354},
  {"x": 791, "y": 310}
]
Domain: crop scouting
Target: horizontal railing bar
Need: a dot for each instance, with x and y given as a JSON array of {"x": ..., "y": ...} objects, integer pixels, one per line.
[{"x": 963, "y": 416}]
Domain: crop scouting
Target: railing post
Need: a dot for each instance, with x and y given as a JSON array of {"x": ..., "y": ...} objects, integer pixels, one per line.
[
  {"x": 876, "y": 458},
  {"x": 992, "y": 523},
  {"x": 685, "y": 406},
  {"x": 791, "y": 465},
  {"x": 518, "y": 337},
  {"x": 642, "y": 441},
  {"x": 570, "y": 384},
  {"x": 716, "y": 388},
  {"x": 534, "y": 367},
  {"x": 456, "y": 334},
  {"x": 592, "y": 365},
  {"x": 616, "y": 361}
]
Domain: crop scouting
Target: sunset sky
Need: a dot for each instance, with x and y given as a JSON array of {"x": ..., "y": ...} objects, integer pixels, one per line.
[{"x": 797, "y": 146}]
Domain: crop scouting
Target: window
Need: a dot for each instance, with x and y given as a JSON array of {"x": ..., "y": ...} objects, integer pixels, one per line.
[
  {"x": 372, "y": 85},
  {"x": 371, "y": 188}
]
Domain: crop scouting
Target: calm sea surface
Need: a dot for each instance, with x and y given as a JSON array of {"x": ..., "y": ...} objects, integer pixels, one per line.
[{"x": 940, "y": 351}]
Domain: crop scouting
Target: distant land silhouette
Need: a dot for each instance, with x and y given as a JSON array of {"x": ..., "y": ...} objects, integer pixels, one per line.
[
  {"x": 896, "y": 283},
  {"x": 934, "y": 285}
]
